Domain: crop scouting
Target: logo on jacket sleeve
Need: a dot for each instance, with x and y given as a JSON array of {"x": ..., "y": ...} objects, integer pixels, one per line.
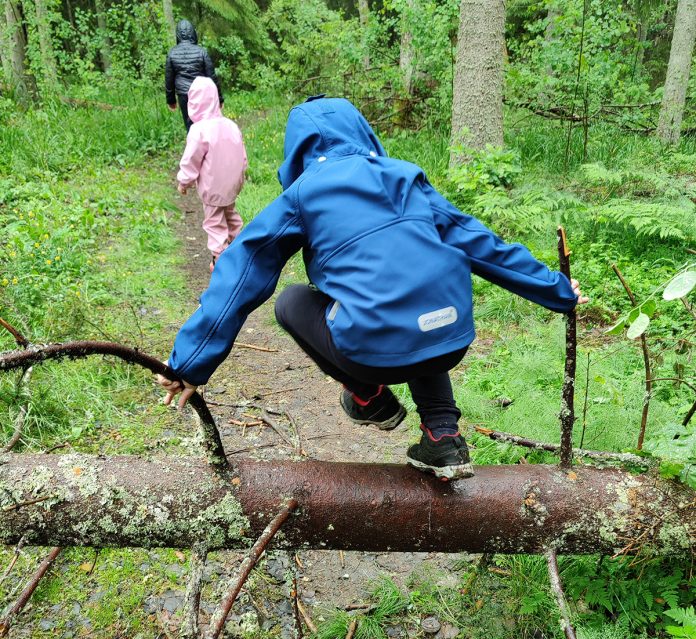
[{"x": 437, "y": 319}]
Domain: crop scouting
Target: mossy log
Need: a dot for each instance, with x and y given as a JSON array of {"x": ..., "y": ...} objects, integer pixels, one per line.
[{"x": 81, "y": 500}]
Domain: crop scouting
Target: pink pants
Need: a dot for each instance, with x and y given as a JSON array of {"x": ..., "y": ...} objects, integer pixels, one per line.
[{"x": 222, "y": 224}]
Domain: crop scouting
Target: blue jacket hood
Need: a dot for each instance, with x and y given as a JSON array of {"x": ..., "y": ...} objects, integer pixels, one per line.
[{"x": 324, "y": 126}]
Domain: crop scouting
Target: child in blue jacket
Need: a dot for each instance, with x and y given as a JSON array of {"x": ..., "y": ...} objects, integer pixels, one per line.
[{"x": 389, "y": 260}]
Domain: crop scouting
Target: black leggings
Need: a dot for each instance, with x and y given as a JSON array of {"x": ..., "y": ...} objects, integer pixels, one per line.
[{"x": 300, "y": 310}]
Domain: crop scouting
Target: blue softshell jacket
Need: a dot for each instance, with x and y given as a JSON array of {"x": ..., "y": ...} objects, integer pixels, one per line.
[{"x": 376, "y": 237}]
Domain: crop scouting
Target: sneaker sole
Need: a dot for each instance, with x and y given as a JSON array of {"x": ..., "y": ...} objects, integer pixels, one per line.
[
  {"x": 461, "y": 471},
  {"x": 389, "y": 424}
]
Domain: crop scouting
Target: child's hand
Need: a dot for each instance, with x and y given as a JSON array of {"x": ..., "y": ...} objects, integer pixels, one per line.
[
  {"x": 576, "y": 289},
  {"x": 173, "y": 388},
  {"x": 181, "y": 188}
]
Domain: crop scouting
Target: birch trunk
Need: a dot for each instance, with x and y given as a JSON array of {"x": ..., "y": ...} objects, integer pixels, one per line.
[
  {"x": 364, "y": 15},
  {"x": 477, "y": 104},
  {"x": 674, "y": 96}
]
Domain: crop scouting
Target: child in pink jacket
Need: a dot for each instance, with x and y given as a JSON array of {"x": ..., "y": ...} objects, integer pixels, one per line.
[{"x": 215, "y": 160}]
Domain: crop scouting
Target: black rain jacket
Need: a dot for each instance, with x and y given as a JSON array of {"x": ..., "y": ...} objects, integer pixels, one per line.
[{"x": 185, "y": 62}]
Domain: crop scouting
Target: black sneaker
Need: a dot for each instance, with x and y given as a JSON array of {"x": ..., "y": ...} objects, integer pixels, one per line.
[
  {"x": 447, "y": 456},
  {"x": 383, "y": 409}
]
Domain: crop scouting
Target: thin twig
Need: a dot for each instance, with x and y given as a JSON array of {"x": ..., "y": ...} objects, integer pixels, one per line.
[
  {"x": 21, "y": 418},
  {"x": 674, "y": 379},
  {"x": 584, "y": 405},
  {"x": 256, "y": 348},
  {"x": 567, "y": 415},
  {"x": 305, "y": 617},
  {"x": 19, "y": 338},
  {"x": 192, "y": 600},
  {"x": 689, "y": 415},
  {"x": 277, "y": 392},
  {"x": 28, "y": 591},
  {"x": 646, "y": 363},
  {"x": 212, "y": 443},
  {"x": 351, "y": 629},
  {"x": 217, "y": 622},
  {"x": 300, "y": 451},
  {"x": 56, "y": 447},
  {"x": 17, "y": 552},
  {"x": 295, "y": 608},
  {"x": 600, "y": 455},
  {"x": 268, "y": 420},
  {"x": 29, "y": 502},
  {"x": 557, "y": 589}
]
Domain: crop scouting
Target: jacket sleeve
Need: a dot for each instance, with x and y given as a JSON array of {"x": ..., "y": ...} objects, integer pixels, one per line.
[
  {"x": 245, "y": 276},
  {"x": 191, "y": 160},
  {"x": 210, "y": 72},
  {"x": 169, "y": 76},
  {"x": 511, "y": 266}
]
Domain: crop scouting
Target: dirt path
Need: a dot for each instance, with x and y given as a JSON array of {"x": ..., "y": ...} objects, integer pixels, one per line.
[{"x": 303, "y": 402}]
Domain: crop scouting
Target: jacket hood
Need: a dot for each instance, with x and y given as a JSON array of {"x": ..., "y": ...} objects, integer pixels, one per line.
[
  {"x": 203, "y": 100},
  {"x": 185, "y": 32},
  {"x": 324, "y": 126}
]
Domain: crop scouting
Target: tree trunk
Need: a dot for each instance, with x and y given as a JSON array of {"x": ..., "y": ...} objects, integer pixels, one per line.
[
  {"x": 477, "y": 101},
  {"x": 169, "y": 17},
  {"x": 61, "y": 500},
  {"x": 43, "y": 31},
  {"x": 104, "y": 42},
  {"x": 364, "y": 15},
  {"x": 406, "y": 51},
  {"x": 16, "y": 48},
  {"x": 674, "y": 96}
]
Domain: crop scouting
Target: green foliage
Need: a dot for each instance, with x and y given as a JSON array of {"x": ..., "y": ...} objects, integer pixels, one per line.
[{"x": 686, "y": 618}]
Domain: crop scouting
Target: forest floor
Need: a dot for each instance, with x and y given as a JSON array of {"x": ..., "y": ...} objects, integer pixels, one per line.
[{"x": 286, "y": 383}]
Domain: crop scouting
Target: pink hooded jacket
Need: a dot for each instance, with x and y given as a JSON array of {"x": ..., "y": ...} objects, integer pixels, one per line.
[{"x": 215, "y": 157}]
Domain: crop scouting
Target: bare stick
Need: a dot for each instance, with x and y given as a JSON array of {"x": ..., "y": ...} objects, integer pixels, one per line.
[
  {"x": 29, "y": 502},
  {"x": 17, "y": 551},
  {"x": 584, "y": 404},
  {"x": 192, "y": 601},
  {"x": 211, "y": 437},
  {"x": 351, "y": 629},
  {"x": 276, "y": 392},
  {"x": 600, "y": 455},
  {"x": 267, "y": 419},
  {"x": 674, "y": 379},
  {"x": 19, "y": 338},
  {"x": 217, "y": 623},
  {"x": 21, "y": 416},
  {"x": 28, "y": 591},
  {"x": 295, "y": 608},
  {"x": 305, "y": 617},
  {"x": 557, "y": 589},
  {"x": 256, "y": 348},
  {"x": 646, "y": 363},
  {"x": 689, "y": 415},
  {"x": 567, "y": 415}
]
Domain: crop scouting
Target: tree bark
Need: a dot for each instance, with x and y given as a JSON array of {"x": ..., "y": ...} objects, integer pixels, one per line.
[
  {"x": 169, "y": 17},
  {"x": 16, "y": 48},
  {"x": 477, "y": 101},
  {"x": 406, "y": 51},
  {"x": 674, "y": 95},
  {"x": 79, "y": 500},
  {"x": 104, "y": 42},
  {"x": 364, "y": 16},
  {"x": 43, "y": 32}
]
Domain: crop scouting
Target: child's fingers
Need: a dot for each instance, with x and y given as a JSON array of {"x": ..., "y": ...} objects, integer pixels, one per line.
[{"x": 186, "y": 394}]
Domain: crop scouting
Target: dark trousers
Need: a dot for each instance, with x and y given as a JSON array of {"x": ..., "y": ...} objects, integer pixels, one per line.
[
  {"x": 300, "y": 310},
  {"x": 183, "y": 105}
]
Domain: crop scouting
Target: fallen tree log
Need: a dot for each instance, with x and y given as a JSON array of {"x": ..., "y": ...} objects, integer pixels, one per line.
[{"x": 82, "y": 500}]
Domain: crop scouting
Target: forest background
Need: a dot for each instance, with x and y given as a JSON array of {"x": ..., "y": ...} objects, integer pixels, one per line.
[{"x": 527, "y": 115}]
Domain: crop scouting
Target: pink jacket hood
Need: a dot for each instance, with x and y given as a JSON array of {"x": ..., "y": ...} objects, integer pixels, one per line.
[{"x": 203, "y": 100}]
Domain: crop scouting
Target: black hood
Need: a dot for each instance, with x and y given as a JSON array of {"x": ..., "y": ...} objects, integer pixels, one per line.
[{"x": 185, "y": 32}]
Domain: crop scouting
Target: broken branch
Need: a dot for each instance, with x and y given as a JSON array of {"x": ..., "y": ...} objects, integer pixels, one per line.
[
  {"x": 217, "y": 623},
  {"x": 557, "y": 590},
  {"x": 35, "y": 354}
]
